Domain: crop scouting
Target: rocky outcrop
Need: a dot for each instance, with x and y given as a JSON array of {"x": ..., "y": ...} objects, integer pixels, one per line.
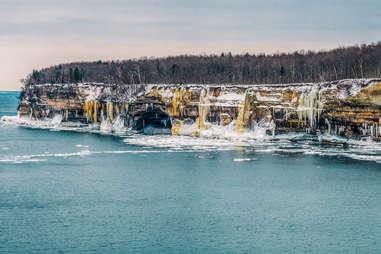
[{"x": 350, "y": 108}]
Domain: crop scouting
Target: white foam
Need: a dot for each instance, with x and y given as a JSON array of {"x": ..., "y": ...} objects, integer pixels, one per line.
[
  {"x": 118, "y": 125},
  {"x": 55, "y": 124},
  {"x": 228, "y": 132},
  {"x": 244, "y": 159},
  {"x": 128, "y": 152},
  {"x": 180, "y": 143},
  {"x": 17, "y": 161},
  {"x": 213, "y": 138},
  {"x": 81, "y": 146},
  {"x": 45, "y": 156},
  {"x": 31, "y": 122}
]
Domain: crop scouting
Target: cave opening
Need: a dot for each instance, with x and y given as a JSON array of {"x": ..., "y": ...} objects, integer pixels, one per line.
[{"x": 152, "y": 121}]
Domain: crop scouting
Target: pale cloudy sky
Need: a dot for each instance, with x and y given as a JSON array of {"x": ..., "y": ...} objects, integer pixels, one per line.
[{"x": 40, "y": 33}]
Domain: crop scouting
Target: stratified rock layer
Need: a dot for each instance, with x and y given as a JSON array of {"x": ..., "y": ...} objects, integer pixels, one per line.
[{"x": 350, "y": 108}]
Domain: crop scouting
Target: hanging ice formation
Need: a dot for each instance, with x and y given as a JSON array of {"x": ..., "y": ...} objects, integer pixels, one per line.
[
  {"x": 240, "y": 128},
  {"x": 310, "y": 106}
]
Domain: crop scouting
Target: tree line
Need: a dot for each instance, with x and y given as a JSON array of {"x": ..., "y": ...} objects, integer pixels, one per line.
[{"x": 301, "y": 66}]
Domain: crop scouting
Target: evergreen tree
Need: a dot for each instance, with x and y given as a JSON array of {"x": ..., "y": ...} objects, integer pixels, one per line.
[
  {"x": 71, "y": 76},
  {"x": 77, "y": 75}
]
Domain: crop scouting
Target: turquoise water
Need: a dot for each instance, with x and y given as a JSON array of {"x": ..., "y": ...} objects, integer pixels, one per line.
[{"x": 71, "y": 192}]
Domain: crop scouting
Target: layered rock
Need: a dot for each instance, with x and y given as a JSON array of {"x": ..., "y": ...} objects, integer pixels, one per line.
[{"x": 349, "y": 108}]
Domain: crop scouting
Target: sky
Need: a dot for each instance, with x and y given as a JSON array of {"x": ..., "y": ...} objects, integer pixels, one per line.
[{"x": 40, "y": 33}]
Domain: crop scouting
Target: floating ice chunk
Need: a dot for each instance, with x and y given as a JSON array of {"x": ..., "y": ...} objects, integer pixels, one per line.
[
  {"x": 244, "y": 159},
  {"x": 81, "y": 146}
]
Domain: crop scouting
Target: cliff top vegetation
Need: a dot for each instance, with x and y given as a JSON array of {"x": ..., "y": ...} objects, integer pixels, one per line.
[{"x": 301, "y": 66}]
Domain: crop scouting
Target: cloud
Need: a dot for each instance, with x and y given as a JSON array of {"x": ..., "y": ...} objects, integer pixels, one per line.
[
  {"x": 50, "y": 31},
  {"x": 190, "y": 20}
]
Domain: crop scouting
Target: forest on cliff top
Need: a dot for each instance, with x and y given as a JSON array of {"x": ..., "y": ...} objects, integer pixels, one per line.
[{"x": 301, "y": 66}]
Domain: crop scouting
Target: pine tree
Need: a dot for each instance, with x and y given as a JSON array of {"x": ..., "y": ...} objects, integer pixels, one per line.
[{"x": 77, "y": 75}]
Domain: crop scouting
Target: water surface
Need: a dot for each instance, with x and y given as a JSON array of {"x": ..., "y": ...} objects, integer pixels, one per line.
[{"x": 72, "y": 192}]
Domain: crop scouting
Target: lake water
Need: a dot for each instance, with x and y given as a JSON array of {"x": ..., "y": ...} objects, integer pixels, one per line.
[{"x": 75, "y": 192}]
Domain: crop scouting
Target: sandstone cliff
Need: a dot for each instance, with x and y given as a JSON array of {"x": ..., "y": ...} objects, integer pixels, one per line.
[{"x": 350, "y": 108}]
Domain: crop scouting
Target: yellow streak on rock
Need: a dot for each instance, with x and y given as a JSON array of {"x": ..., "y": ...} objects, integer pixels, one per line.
[
  {"x": 156, "y": 92},
  {"x": 203, "y": 110},
  {"x": 86, "y": 107},
  {"x": 95, "y": 112},
  {"x": 175, "y": 101},
  {"x": 240, "y": 128}
]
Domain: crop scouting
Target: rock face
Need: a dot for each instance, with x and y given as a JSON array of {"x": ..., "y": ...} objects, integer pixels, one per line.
[{"x": 350, "y": 108}]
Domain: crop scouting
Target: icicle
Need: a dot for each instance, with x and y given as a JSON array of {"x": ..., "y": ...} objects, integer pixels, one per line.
[
  {"x": 175, "y": 101},
  {"x": 86, "y": 110},
  {"x": 341, "y": 129},
  {"x": 286, "y": 114},
  {"x": 203, "y": 110},
  {"x": 240, "y": 128},
  {"x": 116, "y": 106},
  {"x": 118, "y": 124},
  {"x": 95, "y": 112},
  {"x": 310, "y": 107},
  {"x": 102, "y": 117},
  {"x": 106, "y": 125},
  {"x": 364, "y": 129},
  {"x": 329, "y": 126},
  {"x": 272, "y": 126},
  {"x": 301, "y": 107},
  {"x": 90, "y": 108},
  {"x": 110, "y": 111}
]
